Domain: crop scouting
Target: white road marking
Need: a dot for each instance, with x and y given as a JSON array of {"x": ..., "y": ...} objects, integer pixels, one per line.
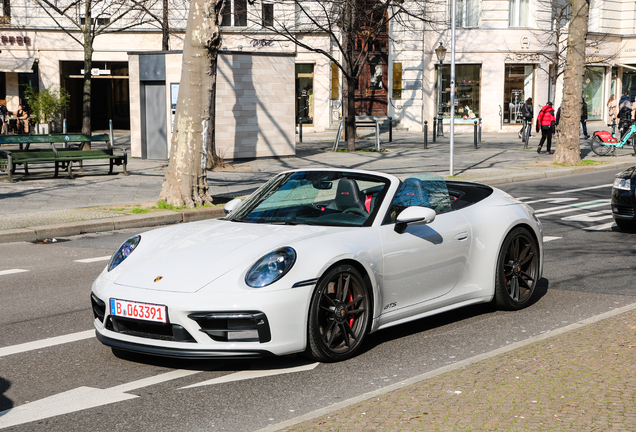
[
  {"x": 581, "y": 189},
  {"x": 6, "y": 272},
  {"x": 602, "y": 227},
  {"x": 251, "y": 374},
  {"x": 590, "y": 217},
  {"x": 80, "y": 399},
  {"x": 548, "y": 238},
  {"x": 571, "y": 208},
  {"x": 552, "y": 200},
  {"x": 45, "y": 343},
  {"x": 90, "y": 260}
]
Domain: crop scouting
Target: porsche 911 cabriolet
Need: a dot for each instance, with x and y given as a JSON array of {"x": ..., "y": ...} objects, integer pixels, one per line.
[{"x": 313, "y": 261}]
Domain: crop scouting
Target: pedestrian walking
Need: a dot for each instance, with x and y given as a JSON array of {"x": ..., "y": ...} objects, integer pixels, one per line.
[
  {"x": 584, "y": 117},
  {"x": 546, "y": 121},
  {"x": 611, "y": 109},
  {"x": 528, "y": 113}
]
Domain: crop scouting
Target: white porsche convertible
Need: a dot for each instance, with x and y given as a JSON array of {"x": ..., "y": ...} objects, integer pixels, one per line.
[{"x": 313, "y": 261}]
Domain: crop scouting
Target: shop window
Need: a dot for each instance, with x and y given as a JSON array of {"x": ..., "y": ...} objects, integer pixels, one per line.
[
  {"x": 335, "y": 83},
  {"x": 234, "y": 13},
  {"x": 397, "y": 80},
  {"x": 5, "y": 12},
  {"x": 518, "y": 13},
  {"x": 593, "y": 91},
  {"x": 518, "y": 87},
  {"x": 467, "y": 13},
  {"x": 268, "y": 14},
  {"x": 467, "y": 93},
  {"x": 305, "y": 93}
]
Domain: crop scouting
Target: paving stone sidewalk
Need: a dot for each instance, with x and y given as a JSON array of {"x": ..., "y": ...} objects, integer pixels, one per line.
[{"x": 581, "y": 380}]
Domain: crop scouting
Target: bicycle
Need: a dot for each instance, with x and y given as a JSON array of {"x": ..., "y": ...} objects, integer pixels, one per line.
[{"x": 605, "y": 143}]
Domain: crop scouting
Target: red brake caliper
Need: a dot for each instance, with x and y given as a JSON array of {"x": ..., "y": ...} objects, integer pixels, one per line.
[{"x": 349, "y": 300}]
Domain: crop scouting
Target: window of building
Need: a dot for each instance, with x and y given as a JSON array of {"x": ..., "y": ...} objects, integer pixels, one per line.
[
  {"x": 593, "y": 91},
  {"x": 518, "y": 87},
  {"x": 397, "y": 80},
  {"x": 5, "y": 12},
  {"x": 305, "y": 93},
  {"x": 268, "y": 14},
  {"x": 335, "y": 83},
  {"x": 518, "y": 13},
  {"x": 467, "y": 93},
  {"x": 467, "y": 13},
  {"x": 234, "y": 13}
]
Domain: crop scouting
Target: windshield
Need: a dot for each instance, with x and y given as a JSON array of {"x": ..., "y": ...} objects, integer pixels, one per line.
[{"x": 315, "y": 198}]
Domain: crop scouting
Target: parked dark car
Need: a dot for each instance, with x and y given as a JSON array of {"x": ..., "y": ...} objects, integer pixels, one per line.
[{"x": 623, "y": 201}]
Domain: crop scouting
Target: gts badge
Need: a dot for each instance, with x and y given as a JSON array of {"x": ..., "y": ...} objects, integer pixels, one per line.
[{"x": 390, "y": 306}]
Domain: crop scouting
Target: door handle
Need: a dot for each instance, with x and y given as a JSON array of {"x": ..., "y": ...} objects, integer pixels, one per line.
[{"x": 461, "y": 236}]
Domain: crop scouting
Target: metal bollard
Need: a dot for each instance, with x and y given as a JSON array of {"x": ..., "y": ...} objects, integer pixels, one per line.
[
  {"x": 425, "y": 135},
  {"x": 346, "y": 129},
  {"x": 300, "y": 129},
  {"x": 479, "y": 129},
  {"x": 475, "y": 127},
  {"x": 390, "y": 129},
  {"x": 434, "y": 129},
  {"x": 440, "y": 125}
]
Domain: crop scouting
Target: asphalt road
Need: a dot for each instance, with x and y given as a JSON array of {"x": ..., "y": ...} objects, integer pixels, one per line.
[{"x": 80, "y": 385}]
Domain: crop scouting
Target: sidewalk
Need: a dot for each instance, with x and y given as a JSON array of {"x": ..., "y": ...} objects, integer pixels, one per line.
[
  {"x": 582, "y": 379},
  {"x": 41, "y": 207}
]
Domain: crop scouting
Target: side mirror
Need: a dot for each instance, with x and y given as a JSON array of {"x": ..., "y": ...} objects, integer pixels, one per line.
[
  {"x": 231, "y": 205},
  {"x": 414, "y": 216}
]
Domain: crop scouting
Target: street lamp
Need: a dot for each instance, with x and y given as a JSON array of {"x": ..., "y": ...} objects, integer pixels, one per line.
[{"x": 440, "y": 51}]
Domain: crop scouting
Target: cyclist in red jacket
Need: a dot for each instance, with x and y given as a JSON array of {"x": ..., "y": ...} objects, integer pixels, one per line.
[{"x": 546, "y": 121}]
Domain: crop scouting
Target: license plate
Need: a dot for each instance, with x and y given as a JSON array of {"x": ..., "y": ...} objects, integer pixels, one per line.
[{"x": 141, "y": 311}]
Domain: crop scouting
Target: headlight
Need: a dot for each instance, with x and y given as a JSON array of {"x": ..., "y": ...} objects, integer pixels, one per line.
[
  {"x": 123, "y": 251},
  {"x": 271, "y": 267},
  {"x": 624, "y": 184}
]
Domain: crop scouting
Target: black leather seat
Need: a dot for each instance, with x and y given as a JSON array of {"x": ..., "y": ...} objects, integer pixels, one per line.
[{"x": 347, "y": 196}]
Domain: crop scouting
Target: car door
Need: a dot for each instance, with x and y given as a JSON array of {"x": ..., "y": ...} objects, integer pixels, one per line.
[{"x": 424, "y": 262}]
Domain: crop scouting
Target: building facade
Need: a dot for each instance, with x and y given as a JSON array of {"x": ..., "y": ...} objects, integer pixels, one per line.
[{"x": 503, "y": 50}]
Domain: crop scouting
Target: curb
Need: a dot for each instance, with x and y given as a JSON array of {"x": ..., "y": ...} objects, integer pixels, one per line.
[{"x": 65, "y": 229}]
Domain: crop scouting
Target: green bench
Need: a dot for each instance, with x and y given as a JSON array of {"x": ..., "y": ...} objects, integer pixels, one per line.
[{"x": 60, "y": 157}]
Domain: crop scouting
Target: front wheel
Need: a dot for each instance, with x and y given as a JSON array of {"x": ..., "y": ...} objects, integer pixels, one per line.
[
  {"x": 517, "y": 270},
  {"x": 338, "y": 315},
  {"x": 626, "y": 224},
  {"x": 599, "y": 147}
]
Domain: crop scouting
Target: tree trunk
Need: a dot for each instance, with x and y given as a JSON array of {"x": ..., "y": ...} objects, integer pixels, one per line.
[
  {"x": 350, "y": 113},
  {"x": 568, "y": 151},
  {"x": 186, "y": 181}
]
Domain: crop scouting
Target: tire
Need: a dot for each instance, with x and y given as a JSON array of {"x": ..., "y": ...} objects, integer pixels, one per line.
[
  {"x": 599, "y": 147},
  {"x": 517, "y": 270},
  {"x": 338, "y": 315},
  {"x": 626, "y": 224}
]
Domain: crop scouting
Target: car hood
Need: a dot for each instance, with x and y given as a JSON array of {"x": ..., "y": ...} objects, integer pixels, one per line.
[
  {"x": 628, "y": 173},
  {"x": 193, "y": 255}
]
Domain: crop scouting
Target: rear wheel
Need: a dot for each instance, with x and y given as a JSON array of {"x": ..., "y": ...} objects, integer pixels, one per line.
[
  {"x": 599, "y": 147},
  {"x": 626, "y": 224},
  {"x": 338, "y": 315},
  {"x": 517, "y": 270}
]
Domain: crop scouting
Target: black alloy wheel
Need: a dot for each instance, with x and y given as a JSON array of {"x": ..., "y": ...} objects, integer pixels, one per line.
[
  {"x": 338, "y": 315},
  {"x": 517, "y": 270}
]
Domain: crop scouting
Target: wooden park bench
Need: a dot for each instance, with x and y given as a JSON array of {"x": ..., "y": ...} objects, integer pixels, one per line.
[{"x": 61, "y": 157}]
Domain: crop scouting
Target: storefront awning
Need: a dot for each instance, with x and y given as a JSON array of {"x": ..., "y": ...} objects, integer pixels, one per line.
[
  {"x": 626, "y": 66},
  {"x": 18, "y": 65}
]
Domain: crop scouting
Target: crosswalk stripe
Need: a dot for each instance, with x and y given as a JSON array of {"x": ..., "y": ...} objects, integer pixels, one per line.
[
  {"x": 6, "y": 272},
  {"x": 571, "y": 208},
  {"x": 600, "y": 227},
  {"x": 90, "y": 260},
  {"x": 581, "y": 189}
]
